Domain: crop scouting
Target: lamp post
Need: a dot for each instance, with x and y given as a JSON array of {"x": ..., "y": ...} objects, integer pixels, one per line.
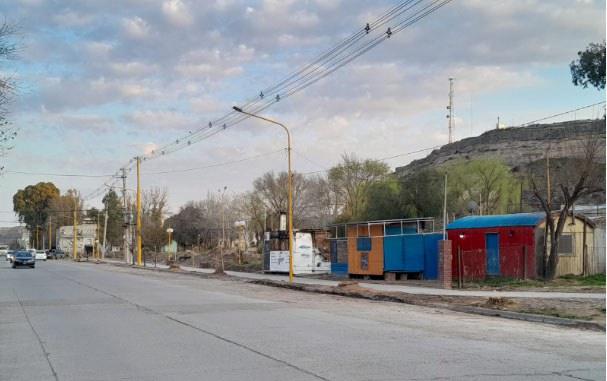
[
  {"x": 169, "y": 230},
  {"x": 290, "y": 192}
]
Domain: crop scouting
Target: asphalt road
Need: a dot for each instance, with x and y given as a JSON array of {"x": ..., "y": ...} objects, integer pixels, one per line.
[{"x": 80, "y": 321}]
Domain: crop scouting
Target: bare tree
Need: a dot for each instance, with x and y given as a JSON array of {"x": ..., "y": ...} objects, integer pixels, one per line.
[
  {"x": 153, "y": 207},
  {"x": 580, "y": 176}
]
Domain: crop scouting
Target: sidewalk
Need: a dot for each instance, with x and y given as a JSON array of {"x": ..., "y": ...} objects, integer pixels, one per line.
[{"x": 398, "y": 287}]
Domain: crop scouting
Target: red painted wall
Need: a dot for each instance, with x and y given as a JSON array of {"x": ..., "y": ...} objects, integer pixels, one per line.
[{"x": 472, "y": 249}]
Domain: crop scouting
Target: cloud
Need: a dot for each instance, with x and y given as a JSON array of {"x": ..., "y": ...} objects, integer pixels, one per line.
[
  {"x": 80, "y": 122},
  {"x": 136, "y": 27},
  {"x": 177, "y": 13}
]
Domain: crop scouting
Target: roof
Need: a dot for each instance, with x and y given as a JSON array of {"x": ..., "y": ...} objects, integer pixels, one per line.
[{"x": 518, "y": 219}]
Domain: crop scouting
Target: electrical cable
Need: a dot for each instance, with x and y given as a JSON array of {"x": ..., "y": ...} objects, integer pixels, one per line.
[{"x": 321, "y": 66}]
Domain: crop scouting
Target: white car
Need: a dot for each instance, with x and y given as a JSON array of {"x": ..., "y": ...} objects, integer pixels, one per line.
[
  {"x": 3, "y": 250},
  {"x": 41, "y": 254}
]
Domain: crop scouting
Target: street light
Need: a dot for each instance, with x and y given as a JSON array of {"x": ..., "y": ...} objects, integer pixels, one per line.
[
  {"x": 169, "y": 230},
  {"x": 290, "y": 194}
]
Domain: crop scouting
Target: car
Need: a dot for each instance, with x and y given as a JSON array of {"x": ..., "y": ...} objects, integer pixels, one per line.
[
  {"x": 41, "y": 254},
  {"x": 3, "y": 250},
  {"x": 24, "y": 258},
  {"x": 10, "y": 256},
  {"x": 56, "y": 253}
]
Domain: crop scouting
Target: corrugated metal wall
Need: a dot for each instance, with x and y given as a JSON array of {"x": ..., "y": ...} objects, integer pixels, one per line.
[{"x": 598, "y": 257}]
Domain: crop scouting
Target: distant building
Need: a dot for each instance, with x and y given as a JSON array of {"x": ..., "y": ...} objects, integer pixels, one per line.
[
  {"x": 15, "y": 237},
  {"x": 85, "y": 236}
]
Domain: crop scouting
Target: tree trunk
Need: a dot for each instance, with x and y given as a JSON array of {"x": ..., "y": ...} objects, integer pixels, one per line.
[{"x": 553, "y": 260}]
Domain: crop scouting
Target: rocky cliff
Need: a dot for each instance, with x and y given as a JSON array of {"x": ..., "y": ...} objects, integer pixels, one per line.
[{"x": 516, "y": 146}]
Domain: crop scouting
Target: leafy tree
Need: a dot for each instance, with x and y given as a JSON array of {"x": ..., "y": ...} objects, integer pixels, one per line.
[
  {"x": 33, "y": 204},
  {"x": 9, "y": 49},
  {"x": 351, "y": 178},
  {"x": 489, "y": 182},
  {"x": 115, "y": 219},
  {"x": 423, "y": 193},
  {"x": 590, "y": 67},
  {"x": 384, "y": 201},
  {"x": 188, "y": 224}
]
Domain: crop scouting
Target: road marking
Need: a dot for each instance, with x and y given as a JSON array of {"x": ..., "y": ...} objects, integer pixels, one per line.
[
  {"x": 151, "y": 311},
  {"x": 46, "y": 354}
]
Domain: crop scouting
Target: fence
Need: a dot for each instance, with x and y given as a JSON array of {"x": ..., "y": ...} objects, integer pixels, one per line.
[{"x": 516, "y": 261}]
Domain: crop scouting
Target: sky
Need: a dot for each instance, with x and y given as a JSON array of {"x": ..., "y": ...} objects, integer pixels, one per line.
[{"x": 100, "y": 84}]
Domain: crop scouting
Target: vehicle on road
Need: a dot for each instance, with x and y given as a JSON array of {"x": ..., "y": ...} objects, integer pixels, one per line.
[
  {"x": 3, "y": 250},
  {"x": 24, "y": 258},
  {"x": 41, "y": 254},
  {"x": 10, "y": 256},
  {"x": 56, "y": 253}
]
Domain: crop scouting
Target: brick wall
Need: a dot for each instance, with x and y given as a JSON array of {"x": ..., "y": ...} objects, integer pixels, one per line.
[{"x": 445, "y": 259}]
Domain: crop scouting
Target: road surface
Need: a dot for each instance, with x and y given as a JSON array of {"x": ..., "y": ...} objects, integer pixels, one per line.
[{"x": 81, "y": 321}]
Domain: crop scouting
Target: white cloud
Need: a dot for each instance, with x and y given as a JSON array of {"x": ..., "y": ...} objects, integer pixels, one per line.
[
  {"x": 177, "y": 13},
  {"x": 70, "y": 19},
  {"x": 136, "y": 27}
]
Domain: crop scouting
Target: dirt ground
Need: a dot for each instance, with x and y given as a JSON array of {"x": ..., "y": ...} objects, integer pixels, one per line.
[{"x": 583, "y": 309}]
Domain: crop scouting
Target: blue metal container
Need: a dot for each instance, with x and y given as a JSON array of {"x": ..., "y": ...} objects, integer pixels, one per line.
[{"x": 339, "y": 268}]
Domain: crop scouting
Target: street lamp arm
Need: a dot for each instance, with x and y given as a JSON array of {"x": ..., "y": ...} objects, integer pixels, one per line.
[{"x": 267, "y": 120}]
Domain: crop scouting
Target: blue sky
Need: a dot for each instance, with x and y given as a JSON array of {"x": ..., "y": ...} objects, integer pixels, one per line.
[{"x": 102, "y": 83}]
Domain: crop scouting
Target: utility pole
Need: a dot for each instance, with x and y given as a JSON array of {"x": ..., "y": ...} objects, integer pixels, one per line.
[
  {"x": 104, "y": 231},
  {"x": 125, "y": 243},
  {"x": 138, "y": 232},
  {"x": 50, "y": 232},
  {"x": 75, "y": 215},
  {"x": 97, "y": 238},
  {"x": 445, "y": 211},
  {"x": 450, "y": 108}
]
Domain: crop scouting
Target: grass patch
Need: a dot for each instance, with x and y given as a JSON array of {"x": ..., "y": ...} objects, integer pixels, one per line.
[
  {"x": 565, "y": 281},
  {"x": 590, "y": 280},
  {"x": 556, "y": 314}
]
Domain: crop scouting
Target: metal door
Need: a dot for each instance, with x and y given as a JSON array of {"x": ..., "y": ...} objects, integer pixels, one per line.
[{"x": 492, "y": 253}]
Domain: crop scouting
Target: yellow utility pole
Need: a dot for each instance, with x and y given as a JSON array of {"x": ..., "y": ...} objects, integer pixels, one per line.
[
  {"x": 290, "y": 192},
  {"x": 75, "y": 207},
  {"x": 169, "y": 230},
  {"x": 97, "y": 240},
  {"x": 548, "y": 177},
  {"x": 138, "y": 217}
]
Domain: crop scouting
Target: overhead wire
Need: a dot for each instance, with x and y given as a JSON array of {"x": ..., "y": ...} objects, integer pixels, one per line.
[{"x": 319, "y": 67}]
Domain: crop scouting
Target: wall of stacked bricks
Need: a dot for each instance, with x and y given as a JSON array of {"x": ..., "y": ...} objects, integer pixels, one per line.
[{"x": 445, "y": 259}]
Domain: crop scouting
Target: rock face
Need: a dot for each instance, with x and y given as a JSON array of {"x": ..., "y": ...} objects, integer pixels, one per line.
[{"x": 516, "y": 146}]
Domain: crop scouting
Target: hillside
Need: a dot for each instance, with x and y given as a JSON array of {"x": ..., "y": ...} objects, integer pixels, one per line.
[{"x": 516, "y": 146}]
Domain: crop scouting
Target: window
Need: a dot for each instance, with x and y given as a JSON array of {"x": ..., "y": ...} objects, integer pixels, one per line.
[
  {"x": 364, "y": 261},
  {"x": 363, "y": 243},
  {"x": 566, "y": 246}
]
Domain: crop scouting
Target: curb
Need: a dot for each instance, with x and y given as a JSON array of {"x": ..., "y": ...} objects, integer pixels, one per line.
[
  {"x": 572, "y": 323},
  {"x": 376, "y": 296}
]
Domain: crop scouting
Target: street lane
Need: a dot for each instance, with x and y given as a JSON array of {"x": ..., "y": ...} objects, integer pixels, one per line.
[{"x": 80, "y": 321}]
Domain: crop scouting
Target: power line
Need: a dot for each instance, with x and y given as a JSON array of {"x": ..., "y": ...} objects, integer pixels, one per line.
[
  {"x": 213, "y": 165},
  {"x": 562, "y": 113}
]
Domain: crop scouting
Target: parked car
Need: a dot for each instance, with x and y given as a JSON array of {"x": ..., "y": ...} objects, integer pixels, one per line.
[
  {"x": 3, "y": 250},
  {"x": 56, "y": 253},
  {"x": 24, "y": 258},
  {"x": 41, "y": 254},
  {"x": 10, "y": 256}
]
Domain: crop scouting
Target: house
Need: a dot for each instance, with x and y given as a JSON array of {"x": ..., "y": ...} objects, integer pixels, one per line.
[
  {"x": 386, "y": 248},
  {"x": 515, "y": 245},
  {"x": 85, "y": 238}
]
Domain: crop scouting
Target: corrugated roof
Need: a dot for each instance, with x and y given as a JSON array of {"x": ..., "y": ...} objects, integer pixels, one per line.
[{"x": 518, "y": 219}]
